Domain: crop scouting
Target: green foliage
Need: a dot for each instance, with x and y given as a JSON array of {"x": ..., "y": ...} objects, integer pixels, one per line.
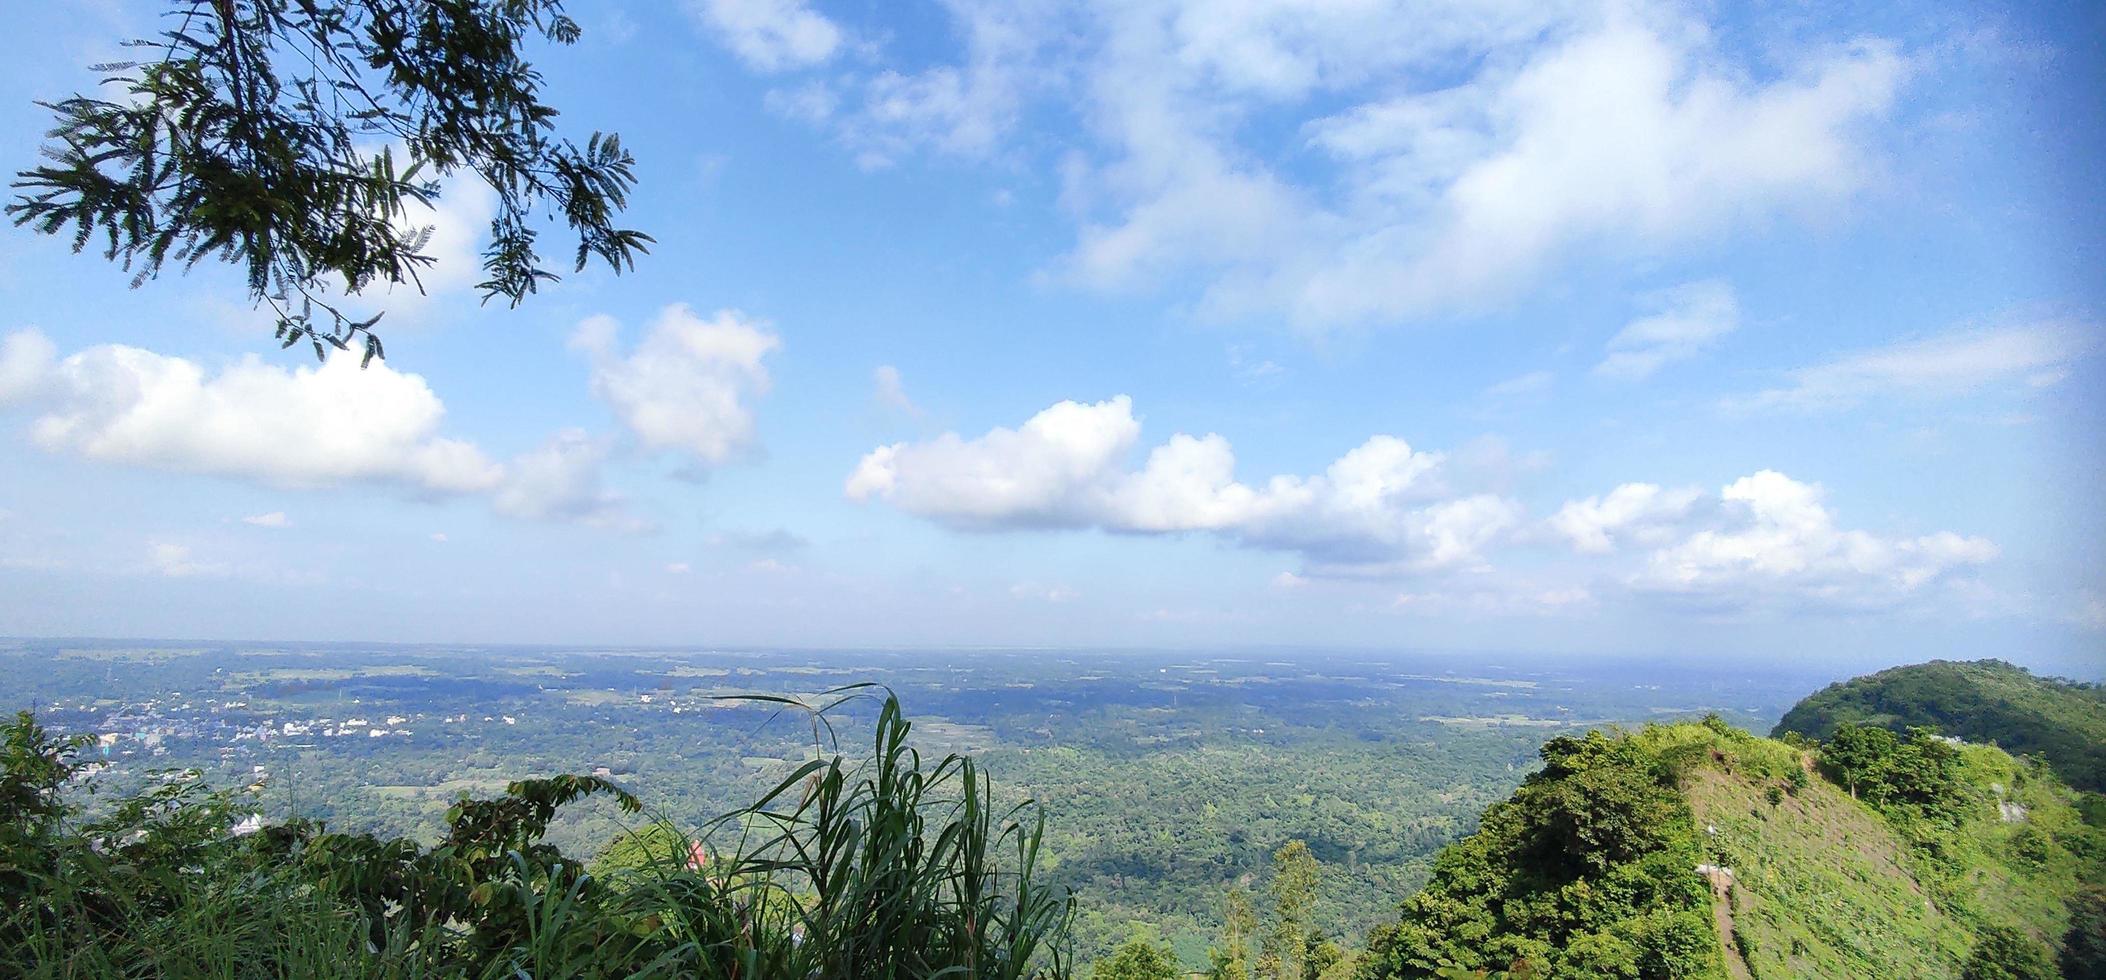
[
  {"x": 1589, "y": 869},
  {"x": 1154, "y": 801},
  {"x": 657, "y": 844},
  {"x": 1987, "y": 701},
  {"x": 1139, "y": 958},
  {"x": 1288, "y": 951},
  {"x": 1230, "y": 960},
  {"x": 2093, "y": 807},
  {"x": 902, "y": 866},
  {"x": 1919, "y": 773},
  {"x": 2003, "y": 953},
  {"x": 246, "y": 133},
  {"x": 881, "y": 867},
  {"x": 1825, "y": 885},
  {"x": 1586, "y": 872},
  {"x": 36, "y": 766},
  {"x": 2084, "y": 945}
]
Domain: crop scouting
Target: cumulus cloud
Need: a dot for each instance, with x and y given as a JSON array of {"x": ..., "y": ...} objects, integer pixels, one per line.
[
  {"x": 561, "y": 480},
  {"x": 770, "y": 35},
  {"x": 309, "y": 426},
  {"x": 176, "y": 561},
  {"x": 1634, "y": 511},
  {"x": 1382, "y": 508},
  {"x": 1960, "y": 362},
  {"x": 892, "y": 391},
  {"x": 26, "y": 357},
  {"x": 1767, "y": 538},
  {"x": 457, "y": 222},
  {"x": 455, "y": 227},
  {"x": 688, "y": 384},
  {"x": 1467, "y": 193},
  {"x": 1433, "y": 198},
  {"x": 961, "y": 109},
  {"x": 780, "y": 539},
  {"x": 1686, "y": 321}
]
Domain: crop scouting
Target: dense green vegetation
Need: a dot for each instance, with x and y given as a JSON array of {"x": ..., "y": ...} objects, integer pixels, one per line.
[
  {"x": 1702, "y": 851},
  {"x": 883, "y": 867},
  {"x": 1252, "y": 822},
  {"x": 1165, "y": 778},
  {"x": 1981, "y": 701},
  {"x": 1586, "y": 871}
]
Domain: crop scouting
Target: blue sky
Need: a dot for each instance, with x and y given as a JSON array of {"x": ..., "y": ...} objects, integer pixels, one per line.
[{"x": 1576, "y": 328}]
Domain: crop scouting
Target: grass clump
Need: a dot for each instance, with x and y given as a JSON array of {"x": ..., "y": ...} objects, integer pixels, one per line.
[{"x": 880, "y": 866}]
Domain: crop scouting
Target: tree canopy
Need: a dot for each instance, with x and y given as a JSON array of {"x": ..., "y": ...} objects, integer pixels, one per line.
[
  {"x": 287, "y": 137},
  {"x": 1139, "y": 958},
  {"x": 1987, "y": 701}
]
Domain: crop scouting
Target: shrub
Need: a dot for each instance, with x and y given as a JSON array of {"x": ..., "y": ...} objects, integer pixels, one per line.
[
  {"x": 2002, "y": 953},
  {"x": 883, "y": 866}
]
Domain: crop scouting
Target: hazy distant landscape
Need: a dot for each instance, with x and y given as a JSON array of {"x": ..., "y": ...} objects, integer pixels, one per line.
[
  {"x": 1164, "y": 774},
  {"x": 994, "y": 490}
]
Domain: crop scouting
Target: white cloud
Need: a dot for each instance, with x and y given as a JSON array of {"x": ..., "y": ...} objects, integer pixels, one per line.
[
  {"x": 1510, "y": 599},
  {"x": 1382, "y": 508},
  {"x": 458, "y": 223},
  {"x": 310, "y": 426},
  {"x": 1250, "y": 368},
  {"x": 456, "y": 226},
  {"x": 439, "y": 536},
  {"x": 1638, "y": 511},
  {"x": 1469, "y": 147},
  {"x": 778, "y": 540},
  {"x": 1770, "y": 539},
  {"x": 274, "y": 519},
  {"x": 1956, "y": 363},
  {"x": 961, "y": 109},
  {"x": 771, "y": 35},
  {"x": 1530, "y": 385},
  {"x": 1687, "y": 320},
  {"x": 25, "y": 365},
  {"x": 1043, "y": 593},
  {"x": 175, "y": 561},
  {"x": 688, "y": 384},
  {"x": 892, "y": 391},
  {"x": 678, "y": 568},
  {"x": 561, "y": 481},
  {"x": 1628, "y": 135}
]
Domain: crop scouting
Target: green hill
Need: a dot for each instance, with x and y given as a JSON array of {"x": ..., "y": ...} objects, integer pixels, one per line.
[
  {"x": 1697, "y": 850},
  {"x": 1980, "y": 701}
]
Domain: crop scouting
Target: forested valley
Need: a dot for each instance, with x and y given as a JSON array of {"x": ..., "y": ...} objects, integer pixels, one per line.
[{"x": 1231, "y": 816}]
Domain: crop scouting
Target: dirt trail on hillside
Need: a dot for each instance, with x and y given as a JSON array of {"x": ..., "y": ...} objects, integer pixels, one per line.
[{"x": 1722, "y": 918}]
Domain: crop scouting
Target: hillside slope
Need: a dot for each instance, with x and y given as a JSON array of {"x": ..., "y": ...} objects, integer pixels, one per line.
[
  {"x": 1981, "y": 701},
  {"x": 1697, "y": 850}
]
